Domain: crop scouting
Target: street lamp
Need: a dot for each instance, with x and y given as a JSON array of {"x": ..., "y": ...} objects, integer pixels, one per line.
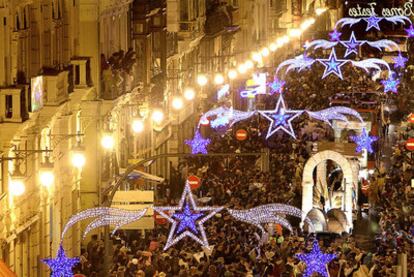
[
  {"x": 17, "y": 186},
  {"x": 242, "y": 68},
  {"x": 177, "y": 103},
  {"x": 107, "y": 141},
  {"x": 232, "y": 74},
  {"x": 249, "y": 64},
  {"x": 218, "y": 79},
  {"x": 265, "y": 52},
  {"x": 189, "y": 94},
  {"x": 157, "y": 116},
  {"x": 78, "y": 157},
  {"x": 202, "y": 80},
  {"x": 137, "y": 126},
  {"x": 46, "y": 175}
]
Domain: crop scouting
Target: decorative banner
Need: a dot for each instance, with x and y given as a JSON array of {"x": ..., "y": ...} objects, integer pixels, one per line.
[
  {"x": 255, "y": 86},
  {"x": 198, "y": 144},
  {"x": 61, "y": 266},
  {"x": 372, "y": 21},
  {"x": 405, "y": 10},
  {"x": 190, "y": 219},
  {"x": 316, "y": 261},
  {"x": 364, "y": 141}
]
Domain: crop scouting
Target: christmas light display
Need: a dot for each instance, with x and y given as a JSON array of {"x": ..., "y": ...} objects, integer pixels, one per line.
[
  {"x": 277, "y": 86},
  {"x": 352, "y": 45},
  {"x": 390, "y": 85},
  {"x": 332, "y": 65},
  {"x": 198, "y": 144},
  {"x": 410, "y": 31},
  {"x": 399, "y": 61},
  {"x": 335, "y": 113},
  {"x": 280, "y": 118},
  {"x": 364, "y": 141},
  {"x": 298, "y": 63},
  {"x": 255, "y": 86},
  {"x": 190, "y": 220},
  {"x": 316, "y": 261},
  {"x": 224, "y": 116},
  {"x": 61, "y": 266},
  {"x": 335, "y": 35},
  {"x": 372, "y": 21}
]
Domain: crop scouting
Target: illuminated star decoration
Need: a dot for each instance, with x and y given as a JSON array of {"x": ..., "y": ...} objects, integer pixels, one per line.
[
  {"x": 335, "y": 35},
  {"x": 399, "y": 61},
  {"x": 410, "y": 31},
  {"x": 373, "y": 23},
  {"x": 316, "y": 261},
  {"x": 364, "y": 141},
  {"x": 277, "y": 86},
  {"x": 190, "y": 219},
  {"x": 390, "y": 85},
  {"x": 198, "y": 144},
  {"x": 352, "y": 45},
  {"x": 61, "y": 266},
  {"x": 332, "y": 65},
  {"x": 280, "y": 118}
]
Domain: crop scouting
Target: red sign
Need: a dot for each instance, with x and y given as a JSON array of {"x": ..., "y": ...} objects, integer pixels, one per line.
[
  {"x": 159, "y": 219},
  {"x": 411, "y": 118},
  {"x": 241, "y": 134},
  {"x": 194, "y": 182},
  {"x": 410, "y": 144}
]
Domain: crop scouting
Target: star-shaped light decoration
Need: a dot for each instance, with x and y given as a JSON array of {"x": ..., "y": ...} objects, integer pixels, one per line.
[
  {"x": 277, "y": 86},
  {"x": 390, "y": 85},
  {"x": 335, "y": 35},
  {"x": 364, "y": 141},
  {"x": 410, "y": 31},
  {"x": 190, "y": 219},
  {"x": 332, "y": 65},
  {"x": 399, "y": 61},
  {"x": 352, "y": 45},
  {"x": 198, "y": 144},
  {"x": 280, "y": 118},
  {"x": 61, "y": 266},
  {"x": 316, "y": 261},
  {"x": 373, "y": 23}
]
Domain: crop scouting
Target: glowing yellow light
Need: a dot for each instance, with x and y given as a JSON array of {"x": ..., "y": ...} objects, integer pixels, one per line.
[
  {"x": 256, "y": 57},
  {"x": 189, "y": 94},
  {"x": 78, "y": 159},
  {"x": 242, "y": 68},
  {"x": 202, "y": 80},
  {"x": 320, "y": 11},
  {"x": 137, "y": 126},
  {"x": 232, "y": 74},
  {"x": 273, "y": 47},
  {"x": 157, "y": 116},
  {"x": 218, "y": 79},
  {"x": 249, "y": 64},
  {"x": 17, "y": 187},
  {"x": 107, "y": 141},
  {"x": 265, "y": 52},
  {"x": 177, "y": 103},
  {"x": 295, "y": 32},
  {"x": 47, "y": 178}
]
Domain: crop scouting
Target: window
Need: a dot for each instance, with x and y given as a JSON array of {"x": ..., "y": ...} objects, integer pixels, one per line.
[
  {"x": 139, "y": 28},
  {"x": 157, "y": 21},
  {"x": 9, "y": 106}
]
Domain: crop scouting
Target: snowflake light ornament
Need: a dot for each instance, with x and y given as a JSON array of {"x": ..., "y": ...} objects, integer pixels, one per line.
[
  {"x": 332, "y": 65},
  {"x": 390, "y": 85},
  {"x": 364, "y": 141},
  {"x": 280, "y": 118},
  {"x": 189, "y": 218},
  {"x": 61, "y": 266},
  {"x": 198, "y": 144},
  {"x": 335, "y": 35},
  {"x": 399, "y": 61},
  {"x": 316, "y": 261},
  {"x": 277, "y": 86}
]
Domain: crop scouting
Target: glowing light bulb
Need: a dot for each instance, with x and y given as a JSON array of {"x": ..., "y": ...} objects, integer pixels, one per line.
[
  {"x": 157, "y": 116},
  {"x": 47, "y": 178},
  {"x": 295, "y": 32},
  {"x": 17, "y": 187},
  {"x": 202, "y": 80},
  {"x": 189, "y": 94},
  {"x": 320, "y": 11},
  {"x": 256, "y": 57},
  {"x": 218, "y": 79},
  {"x": 137, "y": 126},
  {"x": 78, "y": 159},
  {"x": 265, "y": 52},
  {"x": 177, "y": 103},
  {"x": 242, "y": 68},
  {"x": 273, "y": 47},
  {"x": 107, "y": 141},
  {"x": 232, "y": 74},
  {"x": 249, "y": 64}
]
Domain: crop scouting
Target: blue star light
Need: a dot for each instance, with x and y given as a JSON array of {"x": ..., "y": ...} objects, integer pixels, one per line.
[
  {"x": 61, "y": 266},
  {"x": 399, "y": 61},
  {"x": 187, "y": 219},
  {"x": 198, "y": 144},
  {"x": 190, "y": 220},
  {"x": 280, "y": 118},
  {"x": 390, "y": 85},
  {"x": 316, "y": 261},
  {"x": 351, "y": 45},
  {"x": 364, "y": 141},
  {"x": 373, "y": 23},
  {"x": 410, "y": 31},
  {"x": 332, "y": 65},
  {"x": 335, "y": 35},
  {"x": 277, "y": 86}
]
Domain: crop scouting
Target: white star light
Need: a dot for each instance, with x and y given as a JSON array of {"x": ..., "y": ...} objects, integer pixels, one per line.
[
  {"x": 186, "y": 219},
  {"x": 332, "y": 65},
  {"x": 351, "y": 45},
  {"x": 280, "y": 118},
  {"x": 372, "y": 23}
]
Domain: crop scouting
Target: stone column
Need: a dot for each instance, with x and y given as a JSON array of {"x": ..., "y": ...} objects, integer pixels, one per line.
[{"x": 307, "y": 198}]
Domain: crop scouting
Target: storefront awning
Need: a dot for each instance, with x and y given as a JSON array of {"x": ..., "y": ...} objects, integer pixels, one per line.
[
  {"x": 146, "y": 176},
  {"x": 5, "y": 270}
]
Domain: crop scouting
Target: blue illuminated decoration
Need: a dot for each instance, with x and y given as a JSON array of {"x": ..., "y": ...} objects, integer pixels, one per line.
[
  {"x": 390, "y": 85},
  {"x": 410, "y": 31},
  {"x": 61, "y": 266},
  {"x": 335, "y": 113},
  {"x": 190, "y": 220},
  {"x": 277, "y": 86},
  {"x": 198, "y": 144},
  {"x": 335, "y": 35},
  {"x": 224, "y": 117},
  {"x": 372, "y": 21},
  {"x": 255, "y": 86},
  {"x": 298, "y": 63},
  {"x": 399, "y": 61},
  {"x": 316, "y": 261},
  {"x": 332, "y": 65},
  {"x": 364, "y": 141},
  {"x": 280, "y": 118},
  {"x": 352, "y": 45}
]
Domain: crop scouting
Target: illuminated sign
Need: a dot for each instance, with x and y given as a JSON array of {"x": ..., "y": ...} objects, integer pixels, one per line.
[
  {"x": 255, "y": 86},
  {"x": 37, "y": 92},
  {"x": 406, "y": 10}
]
